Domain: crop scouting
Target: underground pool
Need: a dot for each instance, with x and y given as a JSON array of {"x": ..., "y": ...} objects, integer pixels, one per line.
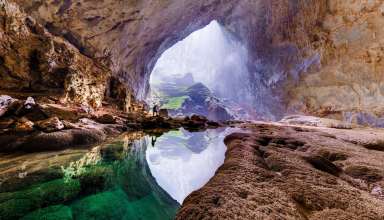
[{"x": 135, "y": 176}]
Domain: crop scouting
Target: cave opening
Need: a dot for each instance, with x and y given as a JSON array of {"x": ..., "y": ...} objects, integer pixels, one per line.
[{"x": 206, "y": 73}]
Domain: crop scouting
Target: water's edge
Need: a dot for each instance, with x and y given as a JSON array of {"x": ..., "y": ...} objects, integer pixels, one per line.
[{"x": 135, "y": 176}]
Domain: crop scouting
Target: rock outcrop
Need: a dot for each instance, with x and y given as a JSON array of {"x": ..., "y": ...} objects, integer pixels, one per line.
[
  {"x": 130, "y": 36},
  {"x": 285, "y": 172},
  {"x": 349, "y": 82},
  {"x": 32, "y": 60},
  {"x": 317, "y": 57},
  {"x": 201, "y": 101}
]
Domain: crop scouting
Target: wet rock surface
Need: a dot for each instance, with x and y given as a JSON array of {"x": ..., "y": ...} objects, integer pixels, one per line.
[
  {"x": 328, "y": 56},
  {"x": 34, "y": 126},
  {"x": 78, "y": 183},
  {"x": 50, "y": 124},
  {"x": 274, "y": 171}
]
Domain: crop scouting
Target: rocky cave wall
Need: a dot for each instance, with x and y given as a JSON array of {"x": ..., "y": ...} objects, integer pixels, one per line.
[
  {"x": 350, "y": 81},
  {"x": 34, "y": 61},
  {"x": 321, "y": 57}
]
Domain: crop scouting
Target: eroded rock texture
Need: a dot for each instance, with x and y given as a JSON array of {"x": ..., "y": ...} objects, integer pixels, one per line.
[
  {"x": 133, "y": 34},
  {"x": 278, "y": 172},
  {"x": 350, "y": 78},
  {"x": 32, "y": 60},
  {"x": 314, "y": 56}
]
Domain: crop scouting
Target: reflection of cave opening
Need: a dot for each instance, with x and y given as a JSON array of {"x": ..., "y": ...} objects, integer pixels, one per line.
[{"x": 206, "y": 73}]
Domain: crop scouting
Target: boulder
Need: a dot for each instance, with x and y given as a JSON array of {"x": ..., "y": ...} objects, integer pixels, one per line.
[
  {"x": 64, "y": 113},
  {"x": 105, "y": 205},
  {"x": 17, "y": 204},
  {"x": 377, "y": 191},
  {"x": 68, "y": 125},
  {"x": 163, "y": 113},
  {"x": 6, "y": 122},
  {"x": 59, "y": 140},
  {"x": 106, "y": 119},
  {"x": 218, "y": 112},
  {"x": 95, "y": 179},
  {"x": 29, "y": 103},
  {"x": 157, "y": 122},
  {"x": 50, "y": 124},
  {"x": 199, "y": 118},
  {"x": 196, "y": 122},
  {"x": 213, "y": 124},
  {"x": 27, "y": 107},
  {"x": 86, "y": 109},
  {"x": 24, "y": 125},
  {"x": 14, "y": 106},
  {"x": 5, "y": 102}
]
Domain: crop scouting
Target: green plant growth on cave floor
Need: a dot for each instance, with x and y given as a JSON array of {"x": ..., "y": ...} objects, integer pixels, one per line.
[{"x": 174, "y": 102}]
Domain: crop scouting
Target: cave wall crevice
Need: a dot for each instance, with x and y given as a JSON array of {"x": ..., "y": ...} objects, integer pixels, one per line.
[{"x": 34, "y": 61}]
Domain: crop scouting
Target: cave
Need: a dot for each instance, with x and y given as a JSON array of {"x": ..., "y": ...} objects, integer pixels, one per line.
[
  {"x": 180, "y": 109},
  {"x": 206, "y": 73}
]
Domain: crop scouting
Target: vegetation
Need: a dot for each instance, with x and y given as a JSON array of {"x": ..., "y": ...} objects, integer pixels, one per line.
[{"x": 175, "y": 102}]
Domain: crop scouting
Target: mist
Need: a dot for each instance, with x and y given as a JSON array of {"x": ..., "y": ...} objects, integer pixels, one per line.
[{"x": 214, "y": 57}]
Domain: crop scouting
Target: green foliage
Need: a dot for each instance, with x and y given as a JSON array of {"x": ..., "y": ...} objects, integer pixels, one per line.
[{"x": 175, "y": 102}]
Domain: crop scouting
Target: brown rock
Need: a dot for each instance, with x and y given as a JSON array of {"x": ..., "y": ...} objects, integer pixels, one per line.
[
  {"x": 369, "y": 174},
  {"x": 265, "y": 177},
  {"x": 68, "y": 125},
  {"x": 106, "y": 119},
  {"x": 323, "y": 164},
  {"x": 6, "y": 122},
  {"x": 50, "y": 124},
  {"x": 24, "y": 125},
  {"x": 163, "y": 113},
  {"x": 32, "y": 59},
  {"x": 198, "y": 118},
  {"x": 5, "y": 103}
]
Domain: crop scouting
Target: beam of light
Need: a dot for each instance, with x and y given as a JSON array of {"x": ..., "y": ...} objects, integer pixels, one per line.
[{"x": 212, "y": 56}]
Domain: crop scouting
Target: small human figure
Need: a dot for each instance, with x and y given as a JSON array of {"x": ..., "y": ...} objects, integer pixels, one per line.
[
  {"x": 155, "y": 110},
  {"x": 153, "y": 141}
]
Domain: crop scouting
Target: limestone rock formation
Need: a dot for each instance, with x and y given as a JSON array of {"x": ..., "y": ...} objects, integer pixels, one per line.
[
  {"x": 349, "y": 82},
  {"x": 201, "y": 101},
  {"x": 33, "y": 60},
  {"x": 319, "y": 57},
  {"x": 50, "y": 124},
  {"x": 130, "y": 36},
  {"x": 286, "y": 172}
]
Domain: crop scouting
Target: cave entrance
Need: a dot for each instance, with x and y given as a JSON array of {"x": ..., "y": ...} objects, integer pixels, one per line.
[{"x": 206, "y": 73}]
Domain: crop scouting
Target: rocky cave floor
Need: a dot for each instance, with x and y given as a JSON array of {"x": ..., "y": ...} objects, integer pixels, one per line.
[
  {"x": 30, "y": 125},
  {"x": 280, "y": 171},
  {"x": 285, "y": 170}
]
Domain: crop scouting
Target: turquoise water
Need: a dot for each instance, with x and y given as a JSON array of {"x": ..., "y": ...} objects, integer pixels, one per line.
[{"x": 143, "y": 178}]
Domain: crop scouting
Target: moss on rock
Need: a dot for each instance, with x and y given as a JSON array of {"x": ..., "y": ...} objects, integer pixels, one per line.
[
  {"x": 17, "y": 204},
  {"x": 51, "y": 213},
  {"x": 95, "y": 179}
]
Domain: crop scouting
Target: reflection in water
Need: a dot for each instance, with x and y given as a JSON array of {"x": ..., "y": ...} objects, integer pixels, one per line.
[
  {"x": 182, "y": 162},
  {"x": 133, "y": 177}
]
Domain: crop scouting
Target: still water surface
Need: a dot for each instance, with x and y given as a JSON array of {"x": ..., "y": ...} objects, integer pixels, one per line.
[{"x": 132, "y": 177}]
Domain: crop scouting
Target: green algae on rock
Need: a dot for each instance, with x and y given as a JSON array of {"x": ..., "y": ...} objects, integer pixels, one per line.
[{"x": 51, "y": 213}]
